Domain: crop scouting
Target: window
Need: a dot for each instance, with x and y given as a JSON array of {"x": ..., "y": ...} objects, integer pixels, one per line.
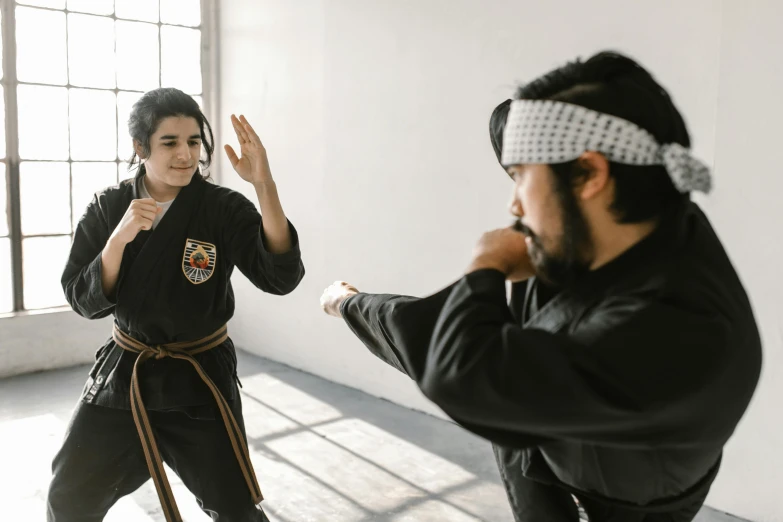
[{"x": 71, "y": 71}]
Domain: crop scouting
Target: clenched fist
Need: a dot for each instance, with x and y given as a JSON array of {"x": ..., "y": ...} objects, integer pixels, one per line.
[
  {"x": 505, "y": 250},
  {"x": 140, "y": 215},
  {"x": 334, "y": 296}
]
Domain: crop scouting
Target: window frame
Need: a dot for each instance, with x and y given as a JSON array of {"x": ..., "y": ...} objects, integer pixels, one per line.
[{"x": 210, "y": 102}]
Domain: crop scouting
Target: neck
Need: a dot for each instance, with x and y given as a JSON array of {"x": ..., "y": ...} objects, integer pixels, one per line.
[
  {"x": 160, "y": 191},
  {"x": 612, "y": 239}
]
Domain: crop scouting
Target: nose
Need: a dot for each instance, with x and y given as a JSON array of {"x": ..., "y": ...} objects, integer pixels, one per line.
[
  {"x": 183, "y": 152},
  {"x": 515, "y": 205}
]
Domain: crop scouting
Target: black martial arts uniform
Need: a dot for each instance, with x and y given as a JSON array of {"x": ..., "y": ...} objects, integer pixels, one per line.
[
  {"x": 174, "y": 286},
  {"x": 621, "y": 389}
]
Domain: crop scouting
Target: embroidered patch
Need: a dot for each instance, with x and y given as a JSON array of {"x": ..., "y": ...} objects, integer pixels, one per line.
[{"x": 198, "y": 261}]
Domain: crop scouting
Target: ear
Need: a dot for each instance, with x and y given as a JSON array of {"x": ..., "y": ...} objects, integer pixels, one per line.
[
  {"x": 596, "y": 180},
  {"x": 139, "y": 149}
]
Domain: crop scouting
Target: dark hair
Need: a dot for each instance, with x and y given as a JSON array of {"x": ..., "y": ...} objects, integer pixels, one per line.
[
  {"x": 614, "y": 84},
  {"x": 154, "y": 107}
]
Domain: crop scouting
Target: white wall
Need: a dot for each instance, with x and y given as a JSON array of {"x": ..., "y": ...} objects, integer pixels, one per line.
[
  {"x": 746, "y": 211},
  {"x": 44, "y": 341},
  {"x": 375, "y": 118}
]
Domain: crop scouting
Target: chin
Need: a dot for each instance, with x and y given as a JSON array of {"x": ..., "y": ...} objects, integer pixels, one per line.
[{"x": 178, "y": 178}]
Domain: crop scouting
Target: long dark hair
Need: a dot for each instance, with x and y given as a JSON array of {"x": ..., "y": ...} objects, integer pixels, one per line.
[{"x": 152, "y": 108}]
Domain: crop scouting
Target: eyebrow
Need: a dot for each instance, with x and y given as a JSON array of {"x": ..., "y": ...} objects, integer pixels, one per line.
[{"x": 173, "y": 137}]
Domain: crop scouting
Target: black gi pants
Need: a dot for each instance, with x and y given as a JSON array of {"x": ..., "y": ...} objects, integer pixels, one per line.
[
  {"x": 537, "y": 502},
  {"x": 101, "y": 460}
]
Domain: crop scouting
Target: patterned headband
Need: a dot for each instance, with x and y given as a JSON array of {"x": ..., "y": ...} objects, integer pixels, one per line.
[{"x": 546, "y": 131}]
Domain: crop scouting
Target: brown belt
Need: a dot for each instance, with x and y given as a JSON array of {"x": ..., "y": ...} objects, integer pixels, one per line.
[{"x": 184, "y": 351}]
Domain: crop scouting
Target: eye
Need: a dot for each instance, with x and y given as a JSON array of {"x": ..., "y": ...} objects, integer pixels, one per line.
[
  {"x": 195, "y": 143},
  {"x": 169, "y": 143}
]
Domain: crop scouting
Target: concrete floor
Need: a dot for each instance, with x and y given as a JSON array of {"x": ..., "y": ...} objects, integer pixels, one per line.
[{"x": 323, "y": 452}]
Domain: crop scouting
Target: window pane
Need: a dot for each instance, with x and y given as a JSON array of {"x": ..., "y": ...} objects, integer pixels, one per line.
[
  {"x": 6, "y": 277},
  {"x": 181, "y": 58},
  {"x": 93, "y": 124},
  {"x": 123, "y": 173},
  {"x": 3, "y": 202},
  {"x": 180, "y": 12},
  {"x": 91, "y": 51},
  {"x": 144, "y": 10},
  {"x": 37, "y": 61},
  {"x": 101, "y": 7},
  {"x": 2, "y": 121},
  {"x": 43, "y": 122},
  {"x": 44, "y": 189},
  {"x": 125, "y": 101},
  {"x": 87, "y": 179},
  {"x": 54, "y": 4},
  {"x": 43, "y": 260},
  {"x": 137, "y": 56}
]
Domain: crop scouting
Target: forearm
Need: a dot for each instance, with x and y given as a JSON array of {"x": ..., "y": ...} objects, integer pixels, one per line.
[
  {"x": 363, "y": 313},
  {"x": 275, "y": 223},
  {"x": 111, "y": 259},
  {"x": 396, "y": 328}
]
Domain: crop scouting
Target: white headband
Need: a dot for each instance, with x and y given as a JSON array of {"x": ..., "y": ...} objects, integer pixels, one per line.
[{"x": 546, "y": 131}]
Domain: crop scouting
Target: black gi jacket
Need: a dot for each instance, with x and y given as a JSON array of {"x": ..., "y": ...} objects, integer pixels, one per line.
[
  {"x": 160, "y": 299},
  {"x": 623, "y": 387}
]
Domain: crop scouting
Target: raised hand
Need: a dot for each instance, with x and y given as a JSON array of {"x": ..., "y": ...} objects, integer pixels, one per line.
[{"x": 252, "y": 165}]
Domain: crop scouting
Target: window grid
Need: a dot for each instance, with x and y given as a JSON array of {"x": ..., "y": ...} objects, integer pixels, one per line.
[{"x": 13, "y": 160}]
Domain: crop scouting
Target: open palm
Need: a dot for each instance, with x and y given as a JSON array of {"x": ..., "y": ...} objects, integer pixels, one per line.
[{"x": 252, "y": 165}]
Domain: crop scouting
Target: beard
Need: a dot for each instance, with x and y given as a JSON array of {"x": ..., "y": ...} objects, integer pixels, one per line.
[{"x": 571, "y": 256}]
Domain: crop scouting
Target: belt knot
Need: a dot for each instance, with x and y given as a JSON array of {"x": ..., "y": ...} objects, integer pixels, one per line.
[{"x": 161, "y": 351}]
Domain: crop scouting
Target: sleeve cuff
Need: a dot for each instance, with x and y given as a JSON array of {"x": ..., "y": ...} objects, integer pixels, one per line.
[
  {"x": 344, "y": 304},
  {"x": 97, "y": 297},
  {"x": 488, "y": 282},
  {"x": 291, "y": 256}
]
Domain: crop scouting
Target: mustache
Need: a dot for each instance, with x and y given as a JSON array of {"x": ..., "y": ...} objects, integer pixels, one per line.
[{"x": 521, "y": 228}]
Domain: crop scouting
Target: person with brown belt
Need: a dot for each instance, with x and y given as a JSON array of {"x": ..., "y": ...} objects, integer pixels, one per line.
[{"x": 157, "y": 251}]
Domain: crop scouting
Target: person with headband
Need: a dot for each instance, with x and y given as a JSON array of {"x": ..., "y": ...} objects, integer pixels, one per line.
[{"x": 628, "y": 350}]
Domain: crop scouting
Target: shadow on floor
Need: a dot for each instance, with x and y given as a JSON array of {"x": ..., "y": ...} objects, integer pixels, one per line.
[{"x": 322, "y": 452}]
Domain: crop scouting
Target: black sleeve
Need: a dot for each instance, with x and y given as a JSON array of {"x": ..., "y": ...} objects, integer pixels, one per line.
[
  {"x": 277, "y": 274},
  {"x": 649, "y": 380},
  {"x": 396, "y": 328},
  {"x": 81, "y": 279}
]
